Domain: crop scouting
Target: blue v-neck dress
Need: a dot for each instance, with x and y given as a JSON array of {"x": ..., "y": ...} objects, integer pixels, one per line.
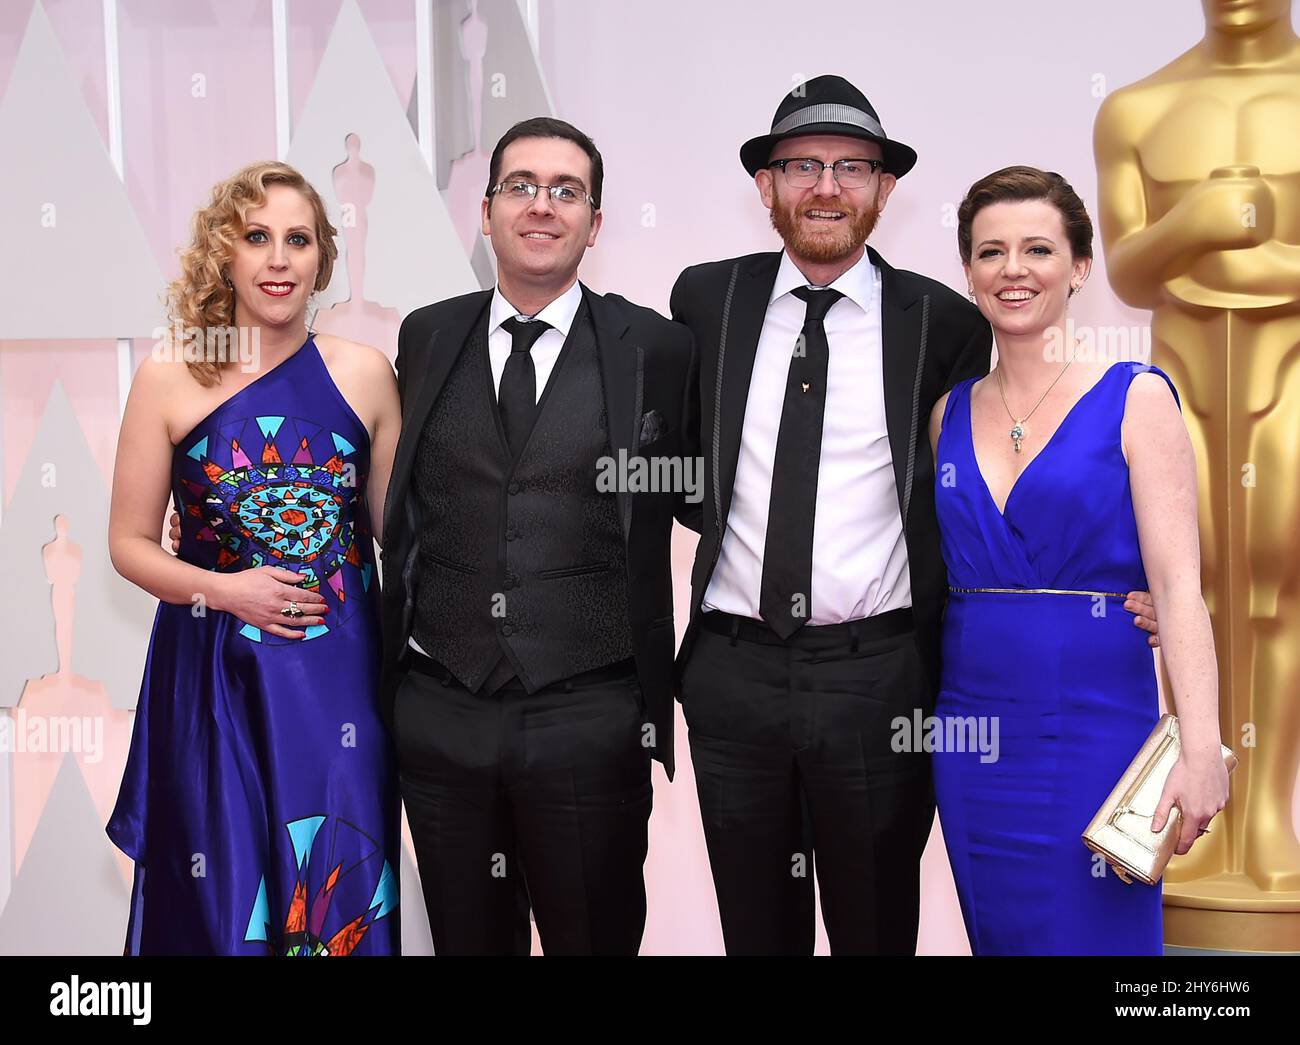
[
  {"x": 1063, "y": 675},
  {"x": 260, "y": 800}
]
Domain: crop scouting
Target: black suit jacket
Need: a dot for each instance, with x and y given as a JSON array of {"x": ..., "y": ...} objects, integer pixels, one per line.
[
  {"x": 647, "y": 365},
  {"x": 932, "y": 338}
]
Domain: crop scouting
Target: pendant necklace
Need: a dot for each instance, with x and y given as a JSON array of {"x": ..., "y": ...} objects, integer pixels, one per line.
[{"x": 1017, "y": 432}]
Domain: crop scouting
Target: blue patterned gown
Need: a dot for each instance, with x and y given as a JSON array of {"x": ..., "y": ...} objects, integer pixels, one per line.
[
  {"x": 1067, "y": 677},
  {"x": 260, "y": 800}
]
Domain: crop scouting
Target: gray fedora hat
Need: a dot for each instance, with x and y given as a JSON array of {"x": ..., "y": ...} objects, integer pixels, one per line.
[{"x": 827, "y": 105}]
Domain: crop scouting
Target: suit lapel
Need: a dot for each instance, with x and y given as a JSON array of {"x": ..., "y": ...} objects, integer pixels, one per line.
[
  {"x": 622, "y": 377},
  {"x": 742, "y": 323},
  {"x": 444, "y": 347},
  {"x": 900, "y": 319}
]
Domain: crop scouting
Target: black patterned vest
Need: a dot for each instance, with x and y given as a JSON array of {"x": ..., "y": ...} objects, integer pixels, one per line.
[{"x": 524, "y": 558}]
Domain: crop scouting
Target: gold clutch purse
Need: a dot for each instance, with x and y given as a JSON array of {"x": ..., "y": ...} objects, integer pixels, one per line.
[{"x": 1121, "y": 830}]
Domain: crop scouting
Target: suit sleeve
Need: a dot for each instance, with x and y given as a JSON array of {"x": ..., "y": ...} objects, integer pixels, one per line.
[
  {"x": 689, "y": 513},
  {"x": 403, "y": 365},
  {"x": 973, "y": 359},
  {"x": 402, "y": 361},
  {"x": 677, "y": 299}
]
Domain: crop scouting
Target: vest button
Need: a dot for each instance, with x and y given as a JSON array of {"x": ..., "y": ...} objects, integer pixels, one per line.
[
  {"x": 507, "y": 630},
  {"x": 511, "y": 535},
  {"x": 510, "y": 583},
  {"x": 513, "y": 488}
]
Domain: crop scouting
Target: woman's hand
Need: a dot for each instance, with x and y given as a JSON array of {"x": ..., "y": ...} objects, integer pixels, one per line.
[
  {"x": 1198, "y": 785},
  {"x": 257, "y": 596}
]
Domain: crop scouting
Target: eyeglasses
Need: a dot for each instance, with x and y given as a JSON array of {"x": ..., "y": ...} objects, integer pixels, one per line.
[
  {"x": 804, "y": 173},
  {"x": 526, "y": 191}
]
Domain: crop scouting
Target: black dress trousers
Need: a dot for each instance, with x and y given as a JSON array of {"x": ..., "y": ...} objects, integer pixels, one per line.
[
  {"x": 552, "y": 788},
  {"x": 796, "y": 774}
]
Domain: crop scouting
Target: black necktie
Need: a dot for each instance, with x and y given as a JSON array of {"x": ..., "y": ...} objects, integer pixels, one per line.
[
  {"x": 517, "y": 403},
  {"x": 785, "y": 598},
  {"x": 517, "y": 396}
]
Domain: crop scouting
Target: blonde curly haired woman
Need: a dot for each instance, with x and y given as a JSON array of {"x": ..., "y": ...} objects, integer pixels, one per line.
[{"x": 260, "y": 800}]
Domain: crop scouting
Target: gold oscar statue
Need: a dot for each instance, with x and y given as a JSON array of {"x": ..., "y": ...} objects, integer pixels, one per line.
[{"x": 1199, "y": 185}]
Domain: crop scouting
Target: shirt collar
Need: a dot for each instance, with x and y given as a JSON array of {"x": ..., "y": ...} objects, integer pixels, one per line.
[
  {"x": 559, "y": 313},
  {"x": 859, "y": 284}
]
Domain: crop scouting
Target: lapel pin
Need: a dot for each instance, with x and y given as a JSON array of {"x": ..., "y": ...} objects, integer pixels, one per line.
[{"x": 805, "y": 384}]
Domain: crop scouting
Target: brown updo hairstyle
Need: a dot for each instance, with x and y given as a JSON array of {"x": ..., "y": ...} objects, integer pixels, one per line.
[
  {"x": 199, "y": 296},
  {"x": 1012, "y": 184}
]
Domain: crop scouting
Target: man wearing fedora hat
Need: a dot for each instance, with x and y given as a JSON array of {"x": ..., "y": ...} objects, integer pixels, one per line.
[{"x": 818, "y": 583}]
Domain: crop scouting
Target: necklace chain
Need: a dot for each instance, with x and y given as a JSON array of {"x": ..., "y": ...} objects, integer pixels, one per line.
[{"x": 1018, "y": 423}]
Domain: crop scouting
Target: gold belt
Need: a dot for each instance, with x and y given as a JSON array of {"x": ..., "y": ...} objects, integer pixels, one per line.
[{"x": 1039, "y": 591}]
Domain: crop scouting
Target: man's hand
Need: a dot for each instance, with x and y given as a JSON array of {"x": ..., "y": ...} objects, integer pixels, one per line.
[
  {"x": 1139, "y": 602},
  {"x": 175, "y": 534}
]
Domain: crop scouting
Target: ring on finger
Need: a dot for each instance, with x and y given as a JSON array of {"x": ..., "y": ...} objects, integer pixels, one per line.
[{"x": 292, "y": 612}]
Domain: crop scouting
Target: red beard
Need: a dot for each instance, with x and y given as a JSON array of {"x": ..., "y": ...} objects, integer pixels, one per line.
[{"x": 850, "y": 232}]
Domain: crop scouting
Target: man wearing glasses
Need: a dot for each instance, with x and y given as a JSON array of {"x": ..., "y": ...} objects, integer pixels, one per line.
[
  {"x": 528, "y": 630},
  {"x": 818, "y": 369}
]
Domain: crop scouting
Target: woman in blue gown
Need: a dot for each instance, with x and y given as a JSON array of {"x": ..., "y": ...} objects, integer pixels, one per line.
[
  {"x": 1062, "y": 482},
  {"x": 260, "y": 800}
]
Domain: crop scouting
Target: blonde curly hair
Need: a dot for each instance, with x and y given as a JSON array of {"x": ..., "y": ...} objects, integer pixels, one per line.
[{"x": 200, "y": 297}]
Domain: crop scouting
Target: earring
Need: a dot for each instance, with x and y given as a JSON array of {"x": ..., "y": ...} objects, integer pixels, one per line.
[
  {"x": 313, "y": 303},
  {"x": 970, "y": 293}
]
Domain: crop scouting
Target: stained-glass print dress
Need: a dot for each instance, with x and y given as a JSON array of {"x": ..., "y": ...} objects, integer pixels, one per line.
[{"x": 260, "y": 800}]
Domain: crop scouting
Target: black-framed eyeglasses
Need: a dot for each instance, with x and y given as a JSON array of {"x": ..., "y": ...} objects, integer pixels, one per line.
[
  {"x": 803, "y": 172},
  {"x": 520, "y": 190}
]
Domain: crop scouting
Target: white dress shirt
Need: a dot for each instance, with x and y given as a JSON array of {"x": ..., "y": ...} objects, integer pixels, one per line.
[
  {"x": 859, "y": 563},
  {"x": 545, "y": 351}
]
